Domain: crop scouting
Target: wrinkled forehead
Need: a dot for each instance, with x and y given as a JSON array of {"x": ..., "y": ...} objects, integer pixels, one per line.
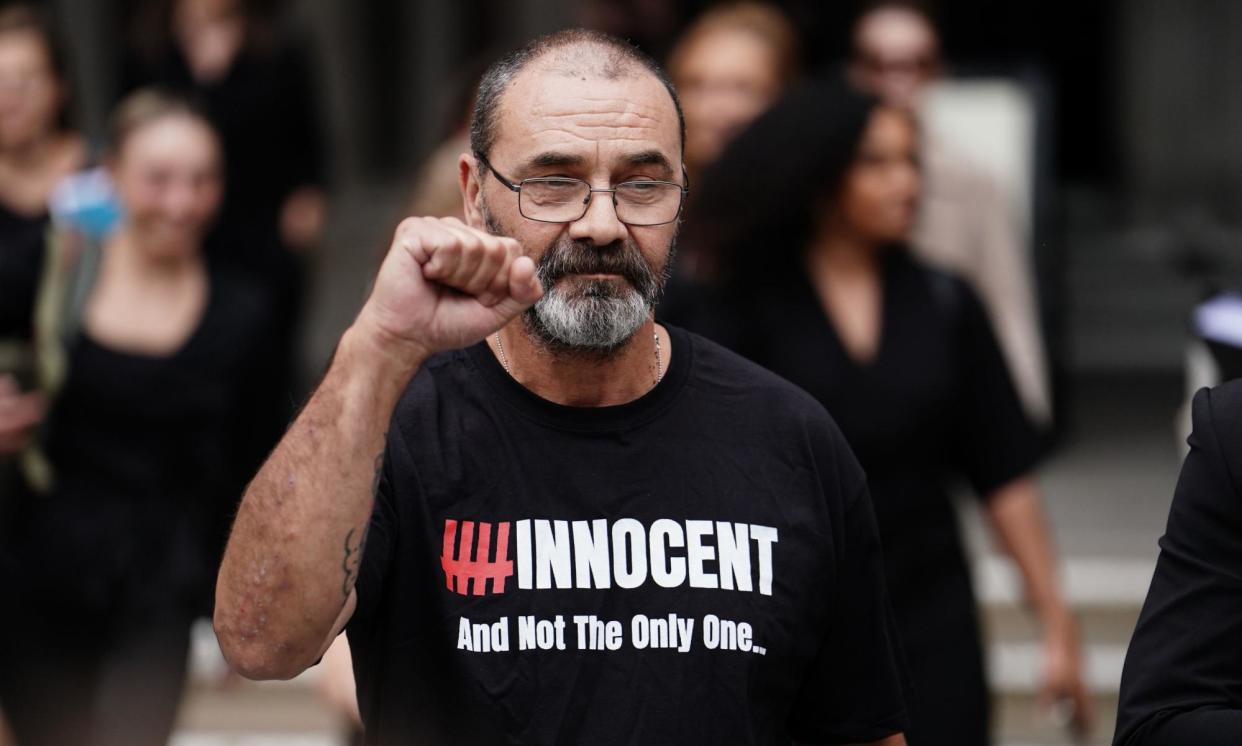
[{"x": 599, "y": 117}]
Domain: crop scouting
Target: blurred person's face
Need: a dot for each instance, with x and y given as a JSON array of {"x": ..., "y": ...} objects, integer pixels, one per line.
[
  {"x": 897, "y": 54},
  {"x": 601, "y": 277},
  {"x": 725, "y": 78},
  {"x": 879, "y": 195},
  {"x": 168, "y": 178},
  {"x": 30, "y": 94}
]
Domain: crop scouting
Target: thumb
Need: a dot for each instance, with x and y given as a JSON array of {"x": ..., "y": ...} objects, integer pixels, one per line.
[{"x": 524, "y": 289}]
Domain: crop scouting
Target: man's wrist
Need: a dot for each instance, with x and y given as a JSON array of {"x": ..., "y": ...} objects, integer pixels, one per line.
[{"x": 385, "y": 357}]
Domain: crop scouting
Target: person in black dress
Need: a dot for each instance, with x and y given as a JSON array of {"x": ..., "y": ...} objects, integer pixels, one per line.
[
  {"x": 106, "y": 569},
  {"x": 257, "y": 86},
  {"x": 38, "y": 149},
  {"x": 810, "y": 208},
  {"x": 1182, "y": 682}
]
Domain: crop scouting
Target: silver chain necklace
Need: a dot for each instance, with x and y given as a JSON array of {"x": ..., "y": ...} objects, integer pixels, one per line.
[{"x": 659, "y": 361}]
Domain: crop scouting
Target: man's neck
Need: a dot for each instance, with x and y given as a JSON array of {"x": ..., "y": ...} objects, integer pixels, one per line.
[{"x": 584, "y": 379}]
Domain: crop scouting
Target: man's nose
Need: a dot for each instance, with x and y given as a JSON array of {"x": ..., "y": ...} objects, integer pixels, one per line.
[{"x": 600, "y": 224}]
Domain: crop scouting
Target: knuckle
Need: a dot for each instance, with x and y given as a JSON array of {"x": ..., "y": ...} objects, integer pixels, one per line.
[
  {"x": 495, "y": 250},
  {"x": 409, "y": 225}
]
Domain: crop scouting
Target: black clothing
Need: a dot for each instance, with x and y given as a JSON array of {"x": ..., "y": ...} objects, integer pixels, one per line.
[
  {"x": 1182, "y": 682},
  {"x": 149, "y": 455},
  {"x": 109, "y": 680},
  {"x": 723, "y": 584},
  {"x": 934, "y": 405},
  {"x": 21, "y": 261}
]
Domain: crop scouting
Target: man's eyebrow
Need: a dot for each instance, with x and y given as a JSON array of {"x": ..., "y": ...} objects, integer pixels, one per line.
[
  {"x": 551, "y": 158},
  {"x": 649, "y": 158}
]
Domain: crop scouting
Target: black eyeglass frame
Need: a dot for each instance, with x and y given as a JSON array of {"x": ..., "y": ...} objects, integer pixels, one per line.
[{"x": 516, "y": 187}]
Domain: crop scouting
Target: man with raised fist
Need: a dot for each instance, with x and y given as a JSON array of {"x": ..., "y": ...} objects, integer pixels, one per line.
[{"x": 542, "y": 517}]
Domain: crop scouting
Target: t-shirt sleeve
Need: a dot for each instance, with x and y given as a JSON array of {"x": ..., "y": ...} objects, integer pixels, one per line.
[
  {"x": 1182, "y": 681},
  {"x": 857, "y": 685},
  {"x": 996, "y": 441},
  {"x": 381, "y": 540}
]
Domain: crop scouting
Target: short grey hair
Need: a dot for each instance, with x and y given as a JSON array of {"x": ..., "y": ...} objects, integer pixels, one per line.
[{"x": 606, "y": 55}]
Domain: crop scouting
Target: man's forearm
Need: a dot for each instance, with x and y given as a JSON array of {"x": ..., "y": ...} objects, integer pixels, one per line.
[{"x": 297, "y": 542}]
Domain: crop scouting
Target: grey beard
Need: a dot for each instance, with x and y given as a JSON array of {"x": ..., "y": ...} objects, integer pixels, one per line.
[
  {"x": 598, "y": 321},
  {"x": 597, "y": 317}
]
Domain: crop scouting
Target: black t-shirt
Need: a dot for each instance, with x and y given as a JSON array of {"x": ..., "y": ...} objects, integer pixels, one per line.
[
  {"x": 1182, "y": 682},
  {"x": 699, "y": 565}
]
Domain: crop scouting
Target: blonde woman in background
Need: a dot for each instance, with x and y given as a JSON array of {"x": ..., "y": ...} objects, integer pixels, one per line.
[{"x": 108, "y": 565}]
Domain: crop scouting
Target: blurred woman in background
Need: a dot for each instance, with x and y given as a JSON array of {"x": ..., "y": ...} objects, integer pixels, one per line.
[
  {"x": 258, "y": 88},
  {"x": 812, "y": 206},
  {"x": 730, "y": 65},
  {"x": 108, "y": 564},
  {"x": 38, "y": 149}
]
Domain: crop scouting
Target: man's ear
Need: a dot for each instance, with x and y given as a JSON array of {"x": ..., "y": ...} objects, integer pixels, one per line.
[{"x": 471, "y": 190}]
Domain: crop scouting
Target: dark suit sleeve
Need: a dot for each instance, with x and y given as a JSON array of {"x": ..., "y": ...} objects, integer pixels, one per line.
[{"x": 1182, "y": 682}]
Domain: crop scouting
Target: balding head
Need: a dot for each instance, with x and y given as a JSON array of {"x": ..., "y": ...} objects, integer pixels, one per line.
[
  {"x": 574, "y": 53},
  {"x": 896, "y": 52}
]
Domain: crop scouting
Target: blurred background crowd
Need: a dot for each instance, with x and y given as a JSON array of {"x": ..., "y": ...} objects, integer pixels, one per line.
[{"x": 194, "y": 195}]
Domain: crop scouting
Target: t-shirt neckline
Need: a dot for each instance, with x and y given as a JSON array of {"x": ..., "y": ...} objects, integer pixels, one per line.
[{"x": 589, "y": 419}]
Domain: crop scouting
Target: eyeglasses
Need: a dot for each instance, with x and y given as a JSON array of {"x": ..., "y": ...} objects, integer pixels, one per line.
[{"x": 560, "y": 199}]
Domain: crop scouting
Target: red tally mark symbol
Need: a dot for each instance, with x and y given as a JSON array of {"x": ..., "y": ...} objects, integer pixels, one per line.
[{"x": 461, "y": 565}]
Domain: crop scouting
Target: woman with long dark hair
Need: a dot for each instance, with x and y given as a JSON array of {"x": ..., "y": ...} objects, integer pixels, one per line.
[
  {"x": 108, "y": 556},
  {"x": 810, "y": 209}
]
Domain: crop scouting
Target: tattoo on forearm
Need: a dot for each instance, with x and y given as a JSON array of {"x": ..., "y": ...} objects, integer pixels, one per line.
[{"x": 352, "y": 561}]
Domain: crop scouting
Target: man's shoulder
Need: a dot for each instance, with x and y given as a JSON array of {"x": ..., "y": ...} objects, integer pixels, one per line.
[
  {"x": 1217, "y": 415},
  {"x": 732, "y": 380}
]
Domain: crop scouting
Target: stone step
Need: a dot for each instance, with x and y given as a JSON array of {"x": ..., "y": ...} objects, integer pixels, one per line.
[
  {"x": 290, "y": 714},
  {"x": 1020, "y": 721}
]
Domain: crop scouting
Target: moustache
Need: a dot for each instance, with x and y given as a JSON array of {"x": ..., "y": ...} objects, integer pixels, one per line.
[{"x": 576, "y": 257}]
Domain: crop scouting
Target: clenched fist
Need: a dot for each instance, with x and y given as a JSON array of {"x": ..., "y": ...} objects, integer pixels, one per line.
[{"x": 445, "y": 285}]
